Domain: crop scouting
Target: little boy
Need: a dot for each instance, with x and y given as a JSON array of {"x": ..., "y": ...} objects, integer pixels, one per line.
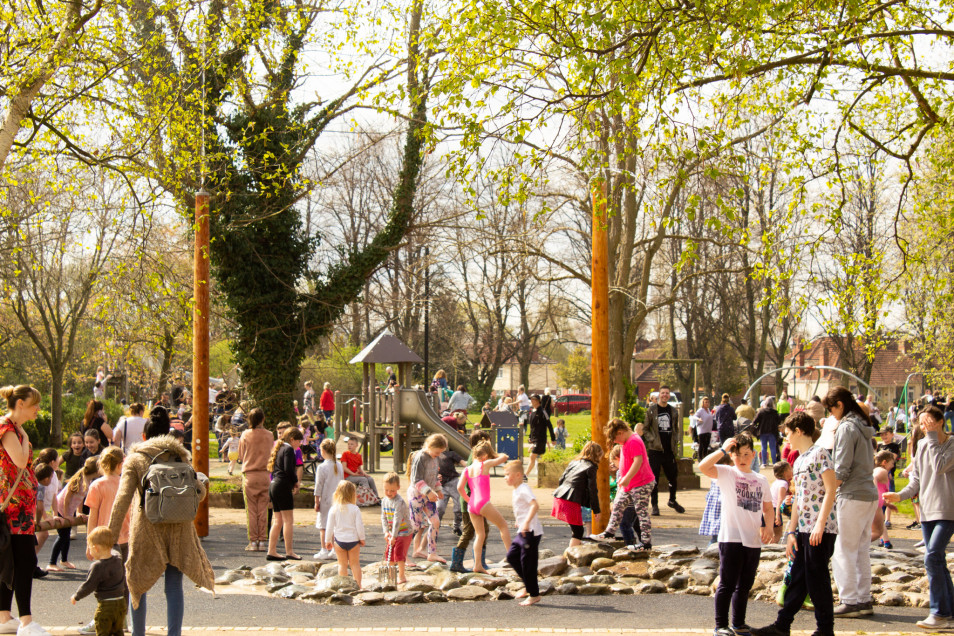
[
  {"x": 780, "y": 494},
  {"x": 635, "y": 486},
  {"x": 884, "y": 466},
  {"x": 560, "y": 434},
  {"x": 746, "y": 505},
  {"x": 524, "y": 553},
  {"x": 44, "y": 476},
  {"x": 107, "y": 580},
  {"x": 396, "y": 523}
]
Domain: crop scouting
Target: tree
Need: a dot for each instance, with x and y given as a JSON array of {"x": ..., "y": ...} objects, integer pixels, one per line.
[{"x": 576, "y": 372}]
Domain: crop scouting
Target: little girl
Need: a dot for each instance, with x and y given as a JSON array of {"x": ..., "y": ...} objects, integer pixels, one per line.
[
  {"x": 102, "y": 494},
  {"x": 68, "y": 501},
  {"x": 74, "y": 459},
  {"x": 577, "y": 490},
  {"x": 422, "y": 494},
  {"x": 327, "y": 477},
  {"x": 231, "y": 449},
  {"x": 345, "y": 530},
  {"x": 282, "y": 492},
  {"x": 93, "y": 444},
  {"x": 478, "y": 502}
]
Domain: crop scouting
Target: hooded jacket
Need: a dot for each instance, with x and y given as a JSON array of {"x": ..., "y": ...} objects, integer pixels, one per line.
[
  {"x": 650, "y": 432},
  {"x": 152, "y": 547},
  {"x": 854, "y": 459}
]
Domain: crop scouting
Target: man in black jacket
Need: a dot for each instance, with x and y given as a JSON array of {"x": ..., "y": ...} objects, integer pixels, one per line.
[
  {"x": 662, "y": 432},
  {"x": 539, "y": 424}
]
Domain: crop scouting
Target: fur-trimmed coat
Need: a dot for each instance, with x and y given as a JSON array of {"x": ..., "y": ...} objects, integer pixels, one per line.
[{"x": 153, "y": 547}]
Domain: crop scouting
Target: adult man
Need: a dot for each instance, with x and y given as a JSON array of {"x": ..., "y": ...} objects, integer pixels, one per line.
[
  {"x": 725, "y": 417},
  {"x": 539, "y": 425},
  {"x": 745, "y": 410},
  {"x": 662, "y": 432}
]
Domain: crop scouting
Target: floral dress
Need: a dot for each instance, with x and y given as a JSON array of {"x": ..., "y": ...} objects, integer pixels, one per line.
[{"x": 21, "y": 511}]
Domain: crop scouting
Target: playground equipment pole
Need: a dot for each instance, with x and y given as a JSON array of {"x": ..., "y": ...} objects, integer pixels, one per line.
[
  {"x": 200, "y": 353},
  {"x": 600, "y": 349}
]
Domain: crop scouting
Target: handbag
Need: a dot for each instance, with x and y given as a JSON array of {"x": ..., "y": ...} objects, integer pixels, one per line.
[{"x": 4, "y": 526}]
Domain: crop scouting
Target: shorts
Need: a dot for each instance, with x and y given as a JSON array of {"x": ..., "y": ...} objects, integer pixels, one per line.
[
  {"x": 539, "y": 447},
  {"x": 587, "y": 515},
  {"x": 398, "y": 552},
  {"x": 347, "y": 546},
  {"x": 281, "y": 497},
  {"x": 233, "y": 456}
]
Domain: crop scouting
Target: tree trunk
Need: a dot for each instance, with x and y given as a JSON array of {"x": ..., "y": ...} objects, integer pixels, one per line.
[
  {"x": 168, "y": 349},
  {"x": 56, "y": 407}
]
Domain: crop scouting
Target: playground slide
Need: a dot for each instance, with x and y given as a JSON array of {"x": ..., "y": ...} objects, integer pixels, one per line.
[{"x": 416, "y": 409}]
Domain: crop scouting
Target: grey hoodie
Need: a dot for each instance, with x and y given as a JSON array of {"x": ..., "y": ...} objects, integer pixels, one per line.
[
  {"x": 932, "y": 478},
  {"x": 854, "y": 459}
]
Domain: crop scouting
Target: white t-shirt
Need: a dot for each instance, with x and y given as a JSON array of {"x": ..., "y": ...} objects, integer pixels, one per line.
[
  {"x": 50, "y": 494},
  {"x": 742, "y": 497},
  {"x": 522, "y": 499},
  {"x": 132, "y": 428},
  {"x": 524, "y": 400}
]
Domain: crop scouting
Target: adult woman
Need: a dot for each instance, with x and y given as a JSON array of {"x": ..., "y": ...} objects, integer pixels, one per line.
[
  {"x": 327, "y": 401},
  {"x": 932, "y": 479},
  {"x": 255, "y": 446},
  {"x": 724, "y": 418},
  {"x": 704, "y": 427},
  {"x": 855, "y": 504},
  {"x": 439, "y": 383},
  {"x": 20, "y": 486},
  {"x": 130, "y": 428},
  {"x": 460, "y": 400},
  {"x": 767, "y": 421},
  {"x": 95, "y": 420},
  {"x": 155, "y": 550}
]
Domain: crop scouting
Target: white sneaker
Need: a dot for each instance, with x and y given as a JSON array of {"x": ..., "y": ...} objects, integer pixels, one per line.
[
  {"x": 935, "y": 622},
  {"x": 10, "y": 627},
  {"x": 88, "y": 628},
  {"x": 32, "y": 629}
]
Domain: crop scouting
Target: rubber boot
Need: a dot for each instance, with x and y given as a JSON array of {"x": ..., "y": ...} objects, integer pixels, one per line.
[
  {"x": 457, "y": 561},
  {"x": 483, "y": 558}
]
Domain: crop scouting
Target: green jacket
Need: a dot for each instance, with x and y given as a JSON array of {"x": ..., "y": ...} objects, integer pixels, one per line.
[{"x": 651, "y": 429}]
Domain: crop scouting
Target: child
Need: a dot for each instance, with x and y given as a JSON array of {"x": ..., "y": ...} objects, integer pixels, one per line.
[
  {"x": 282, "y": 493},
  {"x": 467, "y": 526},
  {"x": 524, "y": 553},
  {"x": 578, "y": 490},
  {"x": 354, "y": 471},
  {"x": 887, "y": 443},
  {"x": 746, "y": 501},
  {"x": 74, "y": 459},
  {"x": 44, "y": 474},
  {"x": 629, "y": 526},
  {"x": 66, "y": 504},
  {"x": 231, "y": 448},
  {"x": 884, "y": 465},
  {"x": 780, "y": 489},
  {"x": 345, "y": 530},
  {"x": 327, "y": 477},
  {"x": 102, "y": 494},
  {"x": 560, "y": 434},
  {"x": 423, "y": 492},
  {"x": 107, "y": 580},
  {"x": 477, "y": 479},
  {"x": 635, "y": 486},
  {"x": 396, "y": 523},
  {"x": 93, "y": 445},
  {"x": 811, "y": 534}
]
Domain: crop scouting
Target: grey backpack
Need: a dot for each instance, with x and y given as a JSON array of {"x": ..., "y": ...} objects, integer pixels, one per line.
[{"x": 169, "y": 490}]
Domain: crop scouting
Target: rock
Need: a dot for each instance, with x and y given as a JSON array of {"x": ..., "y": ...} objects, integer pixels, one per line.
[
  {"x": 651, "y": 587},
  {"x": 303, "y": 567},
  {"x": 600, "y": 578},
  {"x": 546, "y": 587},
  {"x": 578, "y": 571},
  {"x": 702, "y": 577},
  {"x": 488, "y": 583},
  {"x": 624, "y": 554},
  {"x": 450, "y": 584},
  {"x": 757, "y": 586},
  {"x": 619, "y": 588},
  {"x": 630, "y": 580},
  {"x": 435, "y": 597},
  {"x": 704, "y": 564},
  {"x": 880, "y": 569},
  {"x": 261, "y": 573},
  {"x": 468, "y": 593},
  {"x": 342, "y": 584},
  {"x": 315, "y": 595},
  {"x": 606, "y": 572},
  {"x": 468, "y": 577},
  {"x": 678, "y": 582},
  {"x": 274, "y": 587},
  {"x": 503, "y": 594},
  {"x": 891, "y": 599},
  {"x": 292, "y": 591},
  {"x": 275, "y": 569},
  {"x": 302, "y": 579},
  {"x": 916, "y": 599},
  {"x": 698, "y": 590},
  {"x": 546, "y": 553},
  {"x": 379, "y": 586},
  {"x": 661, "y": 572},
  {"x": 331, "y": 569},
  {"x": 403, "y": 598},
  {"x": 566, "y": 589},
  {"x": 771, "y": 578},
  {"x": 898, "y": 577},
  {"x": 712, "y": 552},
  {"x": 419, "y": 586},
  {"x": 340, "y": 599},
  {"x": 229, "y": 576},
  {"x": 593, "y": 589},
  {"x": 602, "y": 562},
  {"x": 248, "y": 582},
  {"x": 369, "y": 598},
  {"x": 575, "y": 580},
  {"x": 631, "y": 568},
  {"x": 553, "y": 566},
  {"x": 677, "y": 551},
  {"x": 583, "y": 555}
]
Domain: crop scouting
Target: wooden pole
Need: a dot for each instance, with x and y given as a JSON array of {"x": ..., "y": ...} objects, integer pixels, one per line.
[
  {"x": 200, "y": 354},
  {"x": 600, "y": 403}
]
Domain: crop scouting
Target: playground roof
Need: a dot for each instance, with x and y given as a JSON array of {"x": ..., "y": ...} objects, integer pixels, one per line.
[
  {"x": 499, "y": 418},
  {"x": 386, "y": 349}
]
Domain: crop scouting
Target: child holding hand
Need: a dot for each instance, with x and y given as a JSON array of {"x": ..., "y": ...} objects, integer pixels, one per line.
[
  {"x": 884, "y": 466},
  {"x": 107, "y": 580},
  {"x": 524, "y": 553},
  {"x": 345, "y": 530},
  {"x": 396, "y": 524}
]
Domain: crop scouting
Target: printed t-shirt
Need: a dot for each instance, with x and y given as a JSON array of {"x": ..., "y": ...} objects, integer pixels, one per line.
[
  {"x": 810, "y": 489},
  {"x": 664, "y": 422},
  {"x": 522, "y": 499},
  {"x": 352, "y": 461},
  {"x": 633, "y": 448},
  {"x": 742, "y": 497},
  {"x": 102, "y": 495}
]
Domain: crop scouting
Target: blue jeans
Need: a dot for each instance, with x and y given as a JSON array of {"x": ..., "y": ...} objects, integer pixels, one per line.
[
  {"x": 940, "y": 591},
  {"x": 175, "y": 606},
  {"x": 769, "y": 442}
]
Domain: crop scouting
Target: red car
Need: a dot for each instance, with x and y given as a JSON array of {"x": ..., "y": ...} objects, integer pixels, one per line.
[{"x": 572, "y": 403}]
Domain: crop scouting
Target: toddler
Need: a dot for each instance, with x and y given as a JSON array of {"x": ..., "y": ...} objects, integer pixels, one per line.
[
  {"x": 560, "y": 434},
  {"x": 396, "y": 524},
  {"x": 423, "y": 492},
  {"x": 478, "y": 500},
  {"x": 780, "y": 494},
  {"x": 524, "y": 553},
  {"x": 107, "y": 580},
  {"x": 884, "y": 465},
  {"x": 345, "y": 530},
  {"x": 327, "y": 477},
  {"x": 231, "y": 448}
]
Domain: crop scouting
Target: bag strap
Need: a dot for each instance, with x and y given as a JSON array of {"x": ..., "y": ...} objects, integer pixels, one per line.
[{"x": 13, "y": 489}]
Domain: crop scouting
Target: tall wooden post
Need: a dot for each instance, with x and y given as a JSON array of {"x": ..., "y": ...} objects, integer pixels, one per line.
[
  {"x": 200, "y": 353},
  {"x": 600, "y": 403}
]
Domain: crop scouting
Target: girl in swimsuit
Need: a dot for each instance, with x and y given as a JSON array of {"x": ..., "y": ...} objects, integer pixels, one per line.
[{"x": 478, "y": 502}]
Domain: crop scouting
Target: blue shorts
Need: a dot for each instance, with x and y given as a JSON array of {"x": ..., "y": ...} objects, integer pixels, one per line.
[{"x": 347, "y": 546}]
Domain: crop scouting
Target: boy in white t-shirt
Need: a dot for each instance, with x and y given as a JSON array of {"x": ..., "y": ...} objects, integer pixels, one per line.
[
  {"x": 747, "y": 515},
  {"x": 524, "y": 553}
]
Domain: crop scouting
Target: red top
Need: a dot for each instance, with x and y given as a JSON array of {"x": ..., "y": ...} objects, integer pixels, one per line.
[
  {"x": 327, "y": 401},
  {"x": 21, "y": 511},
  {"x": 789, "y": 454},
  {"x": 352, "y": 461}
]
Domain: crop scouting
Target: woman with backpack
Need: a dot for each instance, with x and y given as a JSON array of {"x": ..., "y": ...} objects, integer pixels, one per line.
[{"x": 168, "y": 549}]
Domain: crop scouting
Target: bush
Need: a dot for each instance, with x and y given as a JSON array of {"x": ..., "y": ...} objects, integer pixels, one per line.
[
  {"x": 74, "y": 407},
  {"x": 632, "y": 409},
  {"x": 559, "y": 456},
  {"x": 580, "y": 441}
]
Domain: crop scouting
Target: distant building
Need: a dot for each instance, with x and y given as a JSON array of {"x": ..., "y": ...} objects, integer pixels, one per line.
[{"x": 542, "y": 375}]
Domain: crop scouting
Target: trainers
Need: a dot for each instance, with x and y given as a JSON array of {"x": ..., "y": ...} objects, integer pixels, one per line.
[
  {"x": 919, "y": 544},
  {"x": 675, "y": 506},
  {"x": 32, "y": 629},
  {"x": 457, "y": 531},
  {"x": 603, "y": 536},
  {"x": 88, "y": 628},
  {"x": 656, "y": 514},
  {"x": 770, "y": 630},
  {"x": 722, "y": 631},
  {"x": 640, "y": 547},
  {"x": 887, "y": 545},
  {"x": 914, "y": 525},
  {"x": 10, "y": 627},
  {"x": 867, "y": 608},
  {"x": 846, "y": 610},
  {"x": 742, "y": 630},
  {"x": 934, "y": 621},
  {"x": 887, "y": 524}
]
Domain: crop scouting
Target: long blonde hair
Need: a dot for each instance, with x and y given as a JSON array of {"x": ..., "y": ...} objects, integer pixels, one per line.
[
  {"x": 83, "y": 477},
  {"x": 290, "y": 434},
  {"x": 345, "y": 493},
  {"x": 328, "y": 445}
]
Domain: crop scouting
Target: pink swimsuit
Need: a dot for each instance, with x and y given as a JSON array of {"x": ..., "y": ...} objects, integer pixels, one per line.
[{"x": 479, "y": 491}]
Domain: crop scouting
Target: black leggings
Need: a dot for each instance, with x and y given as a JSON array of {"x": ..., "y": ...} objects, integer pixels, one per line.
[
  {"x": 23, "y": 550},
  {"x": 577, "y": 531},
  {"x": 61, "y": 547}
]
